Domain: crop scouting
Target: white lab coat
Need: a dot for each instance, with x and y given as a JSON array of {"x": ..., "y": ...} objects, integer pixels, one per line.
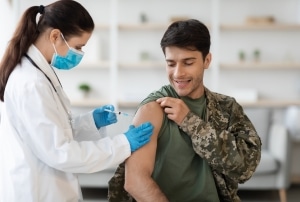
[{"x": 40, "y": 153}]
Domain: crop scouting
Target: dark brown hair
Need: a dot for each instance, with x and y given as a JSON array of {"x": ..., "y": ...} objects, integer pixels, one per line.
[
  {"x": 70, "y": 17},
  {"x": 191, "y": 34}
]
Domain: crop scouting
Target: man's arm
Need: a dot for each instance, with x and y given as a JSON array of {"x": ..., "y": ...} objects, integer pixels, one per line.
[
  {"x": 139, "y": 166},
  {"x": 229, "y": 144}
]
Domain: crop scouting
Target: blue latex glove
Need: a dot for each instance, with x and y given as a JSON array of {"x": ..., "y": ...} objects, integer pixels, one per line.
[
  {"x": 104, "y": 118},
  {"x": 139, "y": 136}
]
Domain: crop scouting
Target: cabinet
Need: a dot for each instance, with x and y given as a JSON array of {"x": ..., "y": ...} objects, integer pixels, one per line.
[
  {"x": 276, "y": 76},
  {"x": 124, "y": 62},
  {"x": 139, "y": 65}
]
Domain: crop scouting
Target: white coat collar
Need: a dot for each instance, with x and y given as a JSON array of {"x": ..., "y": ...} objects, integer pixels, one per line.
[
  {"x": 41, "y": 62},
  {"x": 37, "y": 57}
]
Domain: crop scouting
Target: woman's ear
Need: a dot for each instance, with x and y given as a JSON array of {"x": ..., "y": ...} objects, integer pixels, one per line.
[
  {"x": 54, "y": 35},
  {"x": 207, "y": 61}
]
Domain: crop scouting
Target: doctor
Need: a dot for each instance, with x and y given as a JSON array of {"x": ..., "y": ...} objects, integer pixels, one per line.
[{"x": 42, "y": 146}]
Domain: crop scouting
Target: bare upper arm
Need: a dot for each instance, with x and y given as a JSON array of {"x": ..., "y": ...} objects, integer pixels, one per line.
[{"x": 141, "y": 162}]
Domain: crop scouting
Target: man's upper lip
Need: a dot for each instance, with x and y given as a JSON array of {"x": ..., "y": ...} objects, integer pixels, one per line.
[{"x": 185, "y": 80}]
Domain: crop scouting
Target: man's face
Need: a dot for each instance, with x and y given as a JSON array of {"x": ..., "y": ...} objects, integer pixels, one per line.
[{"x": 185, "y": 69}]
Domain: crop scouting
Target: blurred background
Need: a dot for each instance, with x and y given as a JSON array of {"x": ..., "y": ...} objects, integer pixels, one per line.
[{"x": 256, "y": 59}]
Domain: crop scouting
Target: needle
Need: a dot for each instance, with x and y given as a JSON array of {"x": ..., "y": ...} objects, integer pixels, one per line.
[{"x": 119, "y": 113}]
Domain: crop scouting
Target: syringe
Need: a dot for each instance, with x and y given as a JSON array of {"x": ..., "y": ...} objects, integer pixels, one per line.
[{"x": 119, "y": 113}]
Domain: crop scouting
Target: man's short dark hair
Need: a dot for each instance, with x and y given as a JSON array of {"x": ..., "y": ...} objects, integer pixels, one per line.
[{"x": 191, "y": 34}]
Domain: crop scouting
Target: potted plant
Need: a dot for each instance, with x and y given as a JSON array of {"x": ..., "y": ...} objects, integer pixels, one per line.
[
  {"x": 256, "y": 54},
  {"x": 85, "y": 88},
  {"x": 242, "y": 56}
]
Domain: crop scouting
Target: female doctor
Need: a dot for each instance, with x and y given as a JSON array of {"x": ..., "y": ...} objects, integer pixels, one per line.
[{"x": 42, "y": 146}]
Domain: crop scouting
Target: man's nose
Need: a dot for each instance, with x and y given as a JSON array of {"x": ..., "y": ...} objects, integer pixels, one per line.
[{"x": 179, "y": 71}]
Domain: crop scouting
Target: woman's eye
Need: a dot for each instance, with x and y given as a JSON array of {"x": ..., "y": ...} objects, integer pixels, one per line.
[{"x": 79, "y": 48}]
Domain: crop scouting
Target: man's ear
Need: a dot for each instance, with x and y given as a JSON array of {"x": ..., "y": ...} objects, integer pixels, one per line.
[
  {"x": 207, "y": 61},
  {"x": 54, "y": 35}
]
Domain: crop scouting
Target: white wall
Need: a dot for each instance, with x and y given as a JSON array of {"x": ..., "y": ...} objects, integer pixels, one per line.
[
  {"x": 7, "y": 24},
  {"x": 7, "y": 19}
]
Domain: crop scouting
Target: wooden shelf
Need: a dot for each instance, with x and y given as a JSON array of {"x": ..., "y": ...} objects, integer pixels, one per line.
[
  {"x": 259, "y": 103},
  {"x": 133, "y": 104},
  {"x": 161, "y": 65},
  {"x": 94, "y": 65},
  {"x": 122, "y": 65},
  {"x": 142, "y": 65},
  {"x": 271, "y": 103},
  {"x": 128, "y": 104},
  {"x": 261, "y": 65},
  {"x": 223, "y": 27},
  {"x": 88, "y": 102},
  {"x": 102, "y": 26},
  {"x": 263, "y": 26},
  {"x": 143, "y": 26}
]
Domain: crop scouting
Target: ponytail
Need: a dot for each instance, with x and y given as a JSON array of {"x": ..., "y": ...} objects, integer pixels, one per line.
[{"x": 24, "y": 36}]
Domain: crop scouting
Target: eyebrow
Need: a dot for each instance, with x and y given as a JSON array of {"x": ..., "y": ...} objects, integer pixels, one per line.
[{"x": 184, "y": 59}]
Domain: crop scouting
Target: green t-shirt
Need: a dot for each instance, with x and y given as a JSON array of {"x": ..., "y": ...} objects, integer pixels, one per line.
[{"x": 180, "y": 173}]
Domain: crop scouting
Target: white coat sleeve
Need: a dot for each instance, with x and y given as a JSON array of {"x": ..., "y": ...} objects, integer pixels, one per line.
[
  {"x": 45, "y": 128},
  {"x": 84, "y": 128}
]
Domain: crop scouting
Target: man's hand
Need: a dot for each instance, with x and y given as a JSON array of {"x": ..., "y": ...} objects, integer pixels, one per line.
[{"x": 175, "y": 109}]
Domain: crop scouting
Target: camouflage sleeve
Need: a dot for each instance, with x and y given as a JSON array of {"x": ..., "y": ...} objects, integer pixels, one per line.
[
  {"x": 116, "y": 191},
  {"x": 228, "y": 141}
]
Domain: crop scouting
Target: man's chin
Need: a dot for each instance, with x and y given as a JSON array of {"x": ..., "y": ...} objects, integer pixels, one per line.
[{"x": 181, "y": 93}]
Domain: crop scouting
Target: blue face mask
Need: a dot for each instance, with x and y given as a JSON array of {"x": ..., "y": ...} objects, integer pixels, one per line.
[{"x": 70, "y": 60}]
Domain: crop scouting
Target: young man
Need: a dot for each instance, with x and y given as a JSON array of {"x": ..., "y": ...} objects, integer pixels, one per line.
[{"x": 203, "y": 144}]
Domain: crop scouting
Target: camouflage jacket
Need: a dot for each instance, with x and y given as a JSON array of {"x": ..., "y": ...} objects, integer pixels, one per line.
[{"x": 226, "y": 139}]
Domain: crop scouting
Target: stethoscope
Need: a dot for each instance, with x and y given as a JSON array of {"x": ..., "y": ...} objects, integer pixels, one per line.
[
  {"x": 34, "y": 64},
  {"x": 58, "y": 92}
]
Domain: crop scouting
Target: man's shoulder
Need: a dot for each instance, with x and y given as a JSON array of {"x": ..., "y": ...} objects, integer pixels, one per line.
[
  {"x": 218, "y": 97},
  {"x": 149, "y": 106},
  {"x": 221, "y": 103},
  {"x": 164, "y": 91}
]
